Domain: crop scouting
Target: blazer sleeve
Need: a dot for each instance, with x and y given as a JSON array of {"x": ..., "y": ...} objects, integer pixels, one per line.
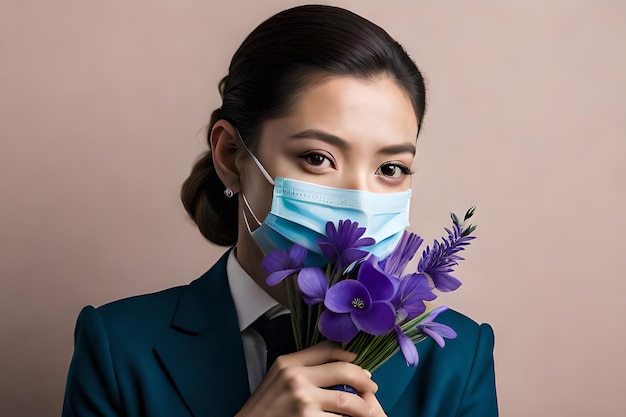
[
  {"x": 91, "y": 388},
  {"x": 479, "y": 395}
]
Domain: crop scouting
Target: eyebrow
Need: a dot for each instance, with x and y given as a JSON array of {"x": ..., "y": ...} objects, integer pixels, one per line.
[
  {"x": 337, "y": 141},
  {"x": 326, "y": 137}
]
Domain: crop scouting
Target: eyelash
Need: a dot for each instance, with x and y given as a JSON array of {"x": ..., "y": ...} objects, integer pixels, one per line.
[
  {"x": 308, "y": 156},
  {"x": 405, "y": 170}
]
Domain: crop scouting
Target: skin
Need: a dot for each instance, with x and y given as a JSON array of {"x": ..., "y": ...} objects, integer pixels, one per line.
[{"x": 342, "y": 132}]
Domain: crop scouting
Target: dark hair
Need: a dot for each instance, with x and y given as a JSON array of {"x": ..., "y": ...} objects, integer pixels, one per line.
[{"x": 279, "y": 59}]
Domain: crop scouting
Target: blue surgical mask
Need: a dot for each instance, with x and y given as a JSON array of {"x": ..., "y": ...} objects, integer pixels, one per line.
[{"x": 300, "y": 211}]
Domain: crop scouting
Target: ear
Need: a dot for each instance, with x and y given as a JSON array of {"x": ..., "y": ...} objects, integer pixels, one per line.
[{"x": 225, "y": 147}]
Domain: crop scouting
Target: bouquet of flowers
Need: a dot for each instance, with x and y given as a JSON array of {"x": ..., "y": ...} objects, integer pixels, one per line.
[{"x": 368, "y": 304}]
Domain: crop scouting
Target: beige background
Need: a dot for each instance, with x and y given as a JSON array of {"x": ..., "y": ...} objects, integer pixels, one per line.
[{"x": 101, "y": 110}]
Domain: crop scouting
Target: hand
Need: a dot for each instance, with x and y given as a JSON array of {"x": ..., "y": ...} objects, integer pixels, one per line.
[{"x": 294, "y": 386}]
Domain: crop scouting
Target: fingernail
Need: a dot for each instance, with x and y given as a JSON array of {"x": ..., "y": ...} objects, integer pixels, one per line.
[{"x": 369, "y": 374}]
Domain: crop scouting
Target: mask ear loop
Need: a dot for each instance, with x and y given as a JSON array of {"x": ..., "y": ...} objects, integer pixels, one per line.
[
  {"x": 266, "y": 174},
  {"x": 245, "y": 218}
]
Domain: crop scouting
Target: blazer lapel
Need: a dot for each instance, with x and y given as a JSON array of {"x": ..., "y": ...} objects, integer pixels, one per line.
[{"x": 203, "y": 354}]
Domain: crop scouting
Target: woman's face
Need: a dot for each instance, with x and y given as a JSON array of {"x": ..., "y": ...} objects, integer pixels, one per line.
[{"x": 342, "y": 132}]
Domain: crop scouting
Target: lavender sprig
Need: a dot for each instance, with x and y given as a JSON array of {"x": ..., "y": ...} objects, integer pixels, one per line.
[{"x": 437, "y": 263}]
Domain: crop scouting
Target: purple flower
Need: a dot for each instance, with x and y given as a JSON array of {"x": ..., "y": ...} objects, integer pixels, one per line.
[
  {"x": 313, "y": 284},
  {"x": 282, "y": 263},
  {"x": 407, "y": 347},
  {"x": 402, "y": 254},
  {"x": 438, "y": 263},
  {"x": 341, "y": 244},
  {"x": 361, "y": 304},
  {"x": 413, "y": 290},
  {"x": 436, "y": 330}
]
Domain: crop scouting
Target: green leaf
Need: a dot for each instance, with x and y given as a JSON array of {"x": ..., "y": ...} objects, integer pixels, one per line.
[
  {"x": 469, "y": 230},
  {"x": 469, "y": 213}
]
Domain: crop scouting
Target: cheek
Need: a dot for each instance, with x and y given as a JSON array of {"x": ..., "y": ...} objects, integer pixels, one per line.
[
  {"x": 262, "y": 204},
  {"x": 258, "y": 192}
]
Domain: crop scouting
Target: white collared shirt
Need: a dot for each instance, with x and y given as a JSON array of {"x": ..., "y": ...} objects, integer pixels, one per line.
[{"x": 251, "y": 302}]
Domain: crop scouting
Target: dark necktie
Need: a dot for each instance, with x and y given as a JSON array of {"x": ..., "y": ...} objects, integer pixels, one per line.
[{"x": 277, "y": 334}]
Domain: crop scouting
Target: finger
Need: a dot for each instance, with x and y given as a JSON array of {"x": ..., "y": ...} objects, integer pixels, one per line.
[
  {"x": 316, "y": 355},
  {"x": 344, "y": 403},
  {"x": 372, "y": 401},
  {"x": 341, "y": 373},
  {"x": 292, "y": 392}
]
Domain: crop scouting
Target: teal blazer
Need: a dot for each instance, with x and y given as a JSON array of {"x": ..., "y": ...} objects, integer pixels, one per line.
[{"x": 178, "y": 352}]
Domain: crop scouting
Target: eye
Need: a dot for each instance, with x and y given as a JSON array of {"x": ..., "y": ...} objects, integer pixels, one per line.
[
  {"x": 393, "y": 170},
  {"x": 317, "y": 160}
]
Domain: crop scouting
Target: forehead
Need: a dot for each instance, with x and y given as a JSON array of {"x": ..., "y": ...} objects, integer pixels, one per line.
[{"x": 352, "y": 108}]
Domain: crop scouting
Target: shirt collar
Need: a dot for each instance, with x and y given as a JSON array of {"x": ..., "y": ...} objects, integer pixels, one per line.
[{"x": 251, "y": 301}]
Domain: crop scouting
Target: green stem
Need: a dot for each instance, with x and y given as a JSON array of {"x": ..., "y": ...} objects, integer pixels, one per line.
[{"x": 296, "y": 310}]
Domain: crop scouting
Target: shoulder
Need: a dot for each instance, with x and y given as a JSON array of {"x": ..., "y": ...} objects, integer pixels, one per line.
[
  {"x": 141, "y": 307},
  {"x": 152, "y": 313},
  {"x": 132, "y": 321},
  {"x": 469, "y": 352},
  {"x": 465, "y": 327},
  {"x": 472, "y": 339},
  {"x": 460, "y": 376},
  {"x": 468, "y": 359},
  {"x": 153, "y": 308},
  {"x": 453, "y": 380},
  {"x": 468, "y": 362}
]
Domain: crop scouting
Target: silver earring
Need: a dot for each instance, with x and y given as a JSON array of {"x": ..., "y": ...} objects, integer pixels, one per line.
[{"x": 229, "y": 193}]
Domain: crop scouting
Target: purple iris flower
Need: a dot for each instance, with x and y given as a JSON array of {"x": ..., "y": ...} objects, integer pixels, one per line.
[
  {"x": 436, "y": 330},
  {"x": 428, "y": 327},
  {"x": 439, "y": 261},
  {"x": 282, "y": 263},
  {"x": 313, "y": 284},
  {"x": 407, "y": 347},
  {"x": 409, "y": 299},
  {"x": 341, "y": 244},
  {"x": 402, "y": 254},
  {"x": 361, "y": 304}
]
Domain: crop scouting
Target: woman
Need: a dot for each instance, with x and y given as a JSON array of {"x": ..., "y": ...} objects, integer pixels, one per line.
[{"x": 319, "y": 96}]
